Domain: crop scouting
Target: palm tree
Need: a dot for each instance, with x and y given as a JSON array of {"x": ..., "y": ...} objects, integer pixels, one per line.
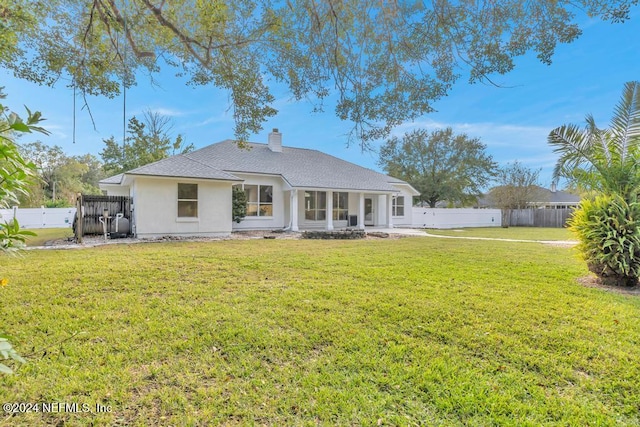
[{"x": 605, "y": 160}]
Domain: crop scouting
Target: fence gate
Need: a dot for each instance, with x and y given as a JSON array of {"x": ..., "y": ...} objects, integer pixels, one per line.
[{"x": 90, "y": 208}]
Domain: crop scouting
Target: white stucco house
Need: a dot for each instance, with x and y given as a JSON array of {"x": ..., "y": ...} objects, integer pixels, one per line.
[{"x": 287, "y": 188}]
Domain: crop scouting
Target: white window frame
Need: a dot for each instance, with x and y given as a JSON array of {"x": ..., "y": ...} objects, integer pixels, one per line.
[
  {"x": 259, "y": 204},
  {"x": 187, "y": 200},
  {"x": 396, "y": 205}
]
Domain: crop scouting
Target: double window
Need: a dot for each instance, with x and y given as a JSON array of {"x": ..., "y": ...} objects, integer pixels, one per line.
[
  {"x": 340, "y": 206},
  {"x": 398, "y": 206},
  {"x": 315, "y": 205},
  {"x": 259, "y": 200},
  {"x": 187, "y": 200}
]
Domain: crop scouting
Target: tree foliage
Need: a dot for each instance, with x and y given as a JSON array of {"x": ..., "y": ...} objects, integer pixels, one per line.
[
  {"x": 15, "y": 175},
  {"x": 147, "y": 142},
  {"x": 517, "y": 188},
  {"x": 60, "y": 176},
  {"x": 439, "y": 164},
  {"x": 608, "y": 229},
  {"x": 604, "y": 160},
  {"x": 383, "y": 62}
]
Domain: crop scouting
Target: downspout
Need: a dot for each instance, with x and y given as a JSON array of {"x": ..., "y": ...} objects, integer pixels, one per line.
[{"x": 288, "y": 227}]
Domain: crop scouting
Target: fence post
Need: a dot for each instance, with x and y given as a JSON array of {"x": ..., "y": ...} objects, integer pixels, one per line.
[{"x": 79, "y": 219}]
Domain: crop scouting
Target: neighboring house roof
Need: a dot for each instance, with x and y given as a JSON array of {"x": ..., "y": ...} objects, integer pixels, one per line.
[
  {"x": 300, "y": 167},
  {"x": 561, "y": 197},
  {"x": 545, "y": 196}
]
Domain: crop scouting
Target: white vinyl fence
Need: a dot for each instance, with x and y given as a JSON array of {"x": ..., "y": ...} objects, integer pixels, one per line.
[
  {"x": 455, "y": 218},
  {"x": 39, "y": 217}
]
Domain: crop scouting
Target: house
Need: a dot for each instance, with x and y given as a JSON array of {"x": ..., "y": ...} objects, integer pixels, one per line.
[
  {"x": 543, "y": 198},
  {"x": 287, "y": 188}
]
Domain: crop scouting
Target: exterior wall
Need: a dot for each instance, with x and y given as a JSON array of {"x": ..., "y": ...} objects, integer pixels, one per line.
[
  {"x": 156, "y": 208},
  {"x": 455, "y": 218},
  {"x": 116, "y": 190},
  {"x": 380, "y": 202},
  {"x": 279, "y": 195},
  {"x": 407, "y": 219}
]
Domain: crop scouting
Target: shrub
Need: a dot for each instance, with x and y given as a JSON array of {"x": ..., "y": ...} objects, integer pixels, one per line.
[
  {"x": 609, "y": 232},
  {"x": 239, "y": 203}
]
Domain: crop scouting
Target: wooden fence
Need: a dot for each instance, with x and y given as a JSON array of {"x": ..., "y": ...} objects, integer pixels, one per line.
[
  {"x": 93, "y": 207},
  {"x": 539, "y": 217}
]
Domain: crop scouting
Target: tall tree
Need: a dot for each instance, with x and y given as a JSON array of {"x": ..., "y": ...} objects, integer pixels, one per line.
[
  {"x": 518, "y": 186},
  {"x": 60, "y": 177},
  {"x": 385, "y": 62},
  {"x": 147, "y": 142},
  {"x": 440, "y": 165}
]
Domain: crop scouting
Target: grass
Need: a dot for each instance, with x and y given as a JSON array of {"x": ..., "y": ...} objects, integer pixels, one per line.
[
  {"x": 414, "y": 331},
  {"x": 46, "y": 234},
  {"x": 520, "y": 233}
]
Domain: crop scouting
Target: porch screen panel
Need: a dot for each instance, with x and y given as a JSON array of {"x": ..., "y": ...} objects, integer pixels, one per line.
[
  {"x": 340, "y": 206},
  {"x": 315, "y": 205}
]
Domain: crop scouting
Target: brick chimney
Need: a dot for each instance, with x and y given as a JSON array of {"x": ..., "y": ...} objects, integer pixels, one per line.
[{"x": 275, "y": 141}]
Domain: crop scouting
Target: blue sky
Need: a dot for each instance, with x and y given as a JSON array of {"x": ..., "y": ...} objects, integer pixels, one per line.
[{"x": 514, "y": 120}]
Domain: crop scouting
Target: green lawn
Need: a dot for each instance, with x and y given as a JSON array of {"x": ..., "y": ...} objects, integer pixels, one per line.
[
  {"x": 414, "y": 331},
  {"x": 522, "y": 233},
  {"x": 46, "y": 234}
]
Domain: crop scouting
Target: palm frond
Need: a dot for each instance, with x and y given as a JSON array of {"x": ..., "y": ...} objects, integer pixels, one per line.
[
  {"x": 625, "y": 124},
  {"x": 576, "y": 150},
  {"x": 598, "y": 139}
]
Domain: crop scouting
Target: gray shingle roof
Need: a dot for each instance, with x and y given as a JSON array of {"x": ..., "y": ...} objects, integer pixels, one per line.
[
  {"x": 562, "y": 197},
  {"x": 181, "y": 166},
  {"x": 116, "y": 179},
  {"x": 300, "y": 167}
]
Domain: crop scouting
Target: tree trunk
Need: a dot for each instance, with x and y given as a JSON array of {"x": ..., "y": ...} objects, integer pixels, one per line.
[{"x": 506, "y": 217}]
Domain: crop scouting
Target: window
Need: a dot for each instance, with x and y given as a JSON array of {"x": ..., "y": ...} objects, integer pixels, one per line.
[
  {"x": 398, "y": 206},
  {"x": 259, "y": 200},
  {"x": 315, "y": 205},
  {"x": 340, "y": 206},
  {"x": 188, "y": 200}
]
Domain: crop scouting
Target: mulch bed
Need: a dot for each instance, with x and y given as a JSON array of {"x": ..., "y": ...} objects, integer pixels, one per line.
[{"x": 592, "y": 281}]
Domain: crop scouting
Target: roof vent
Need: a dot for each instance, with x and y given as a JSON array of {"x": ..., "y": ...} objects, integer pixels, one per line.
[{"x": 275, "y": 141}]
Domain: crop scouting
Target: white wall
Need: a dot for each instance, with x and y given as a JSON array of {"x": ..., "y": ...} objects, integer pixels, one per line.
[
  {"x": 279, "y": 195},
  {"x": 156, "y": 208},
  {"x": 39, "y": 217},
  {"x": 116, "y": 190},
  {"x": 407, "y": 219},
  {"x": 455, "y": 218}
]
